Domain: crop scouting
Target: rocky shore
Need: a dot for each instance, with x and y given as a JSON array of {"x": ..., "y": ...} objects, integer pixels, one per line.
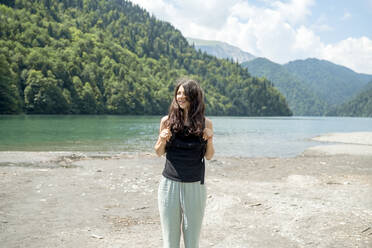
[{"x": 321, "y": 198}]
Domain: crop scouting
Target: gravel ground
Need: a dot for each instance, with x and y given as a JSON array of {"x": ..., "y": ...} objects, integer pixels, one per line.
[{"x": 83, "y": 200}]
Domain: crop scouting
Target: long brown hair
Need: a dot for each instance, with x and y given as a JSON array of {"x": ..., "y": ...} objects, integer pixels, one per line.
[{"x": 195, "y": 96}]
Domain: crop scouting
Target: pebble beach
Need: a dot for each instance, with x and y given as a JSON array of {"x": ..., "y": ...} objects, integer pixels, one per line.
[{"x": 320, "y": 198}]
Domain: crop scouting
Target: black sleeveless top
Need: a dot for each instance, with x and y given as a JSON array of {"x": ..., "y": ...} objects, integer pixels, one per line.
[{"x": 185, "y": 157}]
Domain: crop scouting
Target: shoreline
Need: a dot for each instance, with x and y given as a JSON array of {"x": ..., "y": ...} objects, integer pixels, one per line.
[
  {"x": 355, "y": 143},
  {"x": 63, "y": 199},
  {"x": 333, "y": 144}
]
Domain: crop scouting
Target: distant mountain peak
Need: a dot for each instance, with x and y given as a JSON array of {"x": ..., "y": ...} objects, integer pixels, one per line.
[
  {"x": 321, "y": 63},
  {"x": 221, "y": 50}
]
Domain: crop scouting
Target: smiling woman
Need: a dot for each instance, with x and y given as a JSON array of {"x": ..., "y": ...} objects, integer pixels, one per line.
[
  {"x": 186, "y": 137},
  {"x": 182, "y": 99}
]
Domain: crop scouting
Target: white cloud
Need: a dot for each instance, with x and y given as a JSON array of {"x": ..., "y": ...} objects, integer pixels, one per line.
[
  {"x": 208, "y": 13},
  {"x": 355, "y": 53},
  {"x": 274, "y": 30},
  {"x": 307, "y": 41},
  {"x": 295, "y": 10}
]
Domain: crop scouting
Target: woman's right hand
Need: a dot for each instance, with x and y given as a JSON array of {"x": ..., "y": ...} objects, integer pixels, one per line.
[{"x": 165, "y": 134}]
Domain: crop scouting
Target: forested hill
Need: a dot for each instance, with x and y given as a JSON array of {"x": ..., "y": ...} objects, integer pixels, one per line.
[
  {"x": 311, "y": 86},
  {"x": 301, "y": 98},
  {"x": 333, "y": 83},
  {"x": 360, "y": 105},
  {"x": 112, "y": 57}
]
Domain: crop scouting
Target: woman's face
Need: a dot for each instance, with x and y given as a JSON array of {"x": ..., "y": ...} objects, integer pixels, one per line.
[{"x": 182, "y": 99}]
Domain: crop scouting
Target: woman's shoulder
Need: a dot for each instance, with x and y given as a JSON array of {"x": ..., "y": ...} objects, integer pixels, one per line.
[
  {"x": 208, "y": 122},
  {"x": 163, "y": 120}
]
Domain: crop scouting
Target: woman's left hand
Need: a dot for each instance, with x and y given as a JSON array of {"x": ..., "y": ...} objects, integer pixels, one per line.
[{"x": 207, "y": 133}]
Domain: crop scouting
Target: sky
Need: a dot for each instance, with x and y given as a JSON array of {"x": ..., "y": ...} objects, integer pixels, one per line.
[{"x": 280, "y": 30}]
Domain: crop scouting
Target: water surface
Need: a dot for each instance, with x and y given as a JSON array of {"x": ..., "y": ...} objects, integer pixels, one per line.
[{"x": 234, "y": 136}]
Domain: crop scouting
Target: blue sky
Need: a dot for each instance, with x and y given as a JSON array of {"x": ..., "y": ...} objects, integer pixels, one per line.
[
  {"x": 344, "y": 18},
  {"x": 280, "y": 30}
]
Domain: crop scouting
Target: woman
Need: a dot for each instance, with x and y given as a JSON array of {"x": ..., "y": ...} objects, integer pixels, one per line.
[{"x": 186, "y": 137}]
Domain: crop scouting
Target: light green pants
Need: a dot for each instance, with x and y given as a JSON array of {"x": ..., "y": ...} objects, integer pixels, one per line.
[{"x": 181, "y": 204}]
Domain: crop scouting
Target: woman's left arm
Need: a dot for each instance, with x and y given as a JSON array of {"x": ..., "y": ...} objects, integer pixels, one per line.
[{"x": 208, "y": 135}]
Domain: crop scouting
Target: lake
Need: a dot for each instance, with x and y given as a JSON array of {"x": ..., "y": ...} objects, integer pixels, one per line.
[{"x": 234, "y": 136}]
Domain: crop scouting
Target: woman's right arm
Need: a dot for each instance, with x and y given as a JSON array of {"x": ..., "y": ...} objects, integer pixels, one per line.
[{"x": 164, "y": 136}]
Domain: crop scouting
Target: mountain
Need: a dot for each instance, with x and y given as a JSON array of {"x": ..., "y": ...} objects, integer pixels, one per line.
[
  {"x": 360, "y": 105},
  {"x": 300, "y": 97},
  {"x": 311, "y": 86},
  {"x": 333, "y": 83},
  {"x": 221, "y": 50},
  {"x": 112, "y": 57}
]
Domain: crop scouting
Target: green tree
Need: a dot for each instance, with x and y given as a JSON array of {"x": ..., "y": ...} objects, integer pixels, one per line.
[
  {"x": 9, "y": 98},
  {"x": 96, "y": 56},
  {"x": 42, "y": 95}
]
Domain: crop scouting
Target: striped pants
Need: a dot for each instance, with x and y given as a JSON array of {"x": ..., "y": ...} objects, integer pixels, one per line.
[{"x": 181, "y": 205}]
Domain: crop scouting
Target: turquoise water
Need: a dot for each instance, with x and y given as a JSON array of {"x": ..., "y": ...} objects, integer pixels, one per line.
[{"x": 234, "y": 136}]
